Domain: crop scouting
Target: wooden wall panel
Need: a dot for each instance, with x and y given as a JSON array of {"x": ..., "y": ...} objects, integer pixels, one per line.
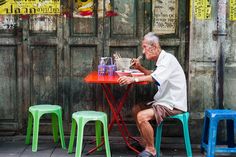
[
  {"x": 82, "y": 94},
  {"x": 126, "y": 23},
  {"x": 44, "y": 75},
  {"x": 8, "y": 86},
  {"x": 84, "y": 26}
]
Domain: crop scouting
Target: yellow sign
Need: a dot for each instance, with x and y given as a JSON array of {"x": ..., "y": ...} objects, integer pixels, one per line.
[
  {"x": 202, "y": 9},
  {"x": 232, "y": 10},
  {"x": 29, "y": 7}
]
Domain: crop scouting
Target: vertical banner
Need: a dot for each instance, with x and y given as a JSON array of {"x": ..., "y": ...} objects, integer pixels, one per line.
[
  {"x": 165, "y": 15},
  {"x": 202, "y": 9},
  {"x": 232, "y": 10},
  {"x": 48, "y": 7}
]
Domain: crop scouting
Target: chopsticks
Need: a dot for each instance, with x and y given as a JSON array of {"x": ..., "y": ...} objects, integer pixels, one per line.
[{"x": 139, "y": 57}]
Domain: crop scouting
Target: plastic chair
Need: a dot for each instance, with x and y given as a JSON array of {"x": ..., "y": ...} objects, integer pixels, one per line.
[
  {"x": 81, "y": 118},
  {"x": 184, "y": 120},
  {"x": 209, "y": 134},
  {"x": 35, "y": 113}
]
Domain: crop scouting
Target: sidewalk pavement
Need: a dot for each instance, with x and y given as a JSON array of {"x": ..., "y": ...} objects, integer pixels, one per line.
[{"x": 15, "y": 146}]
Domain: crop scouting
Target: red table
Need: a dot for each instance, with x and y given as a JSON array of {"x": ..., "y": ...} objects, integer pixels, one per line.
[{"x": 115, "y": 105}]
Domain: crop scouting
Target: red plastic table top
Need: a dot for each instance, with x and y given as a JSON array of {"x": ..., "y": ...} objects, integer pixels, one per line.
[{"x": 93, "y": 77}]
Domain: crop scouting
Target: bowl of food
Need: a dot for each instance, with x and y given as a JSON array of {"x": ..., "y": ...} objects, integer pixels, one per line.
[
  {"x": 123, "y": 73},
  {"x": 135, "y": 74}
]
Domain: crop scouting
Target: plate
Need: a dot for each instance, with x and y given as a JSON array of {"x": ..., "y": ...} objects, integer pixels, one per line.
[
  {"x": 123, "y": 73},
  {"x": 137, "y": 74}
]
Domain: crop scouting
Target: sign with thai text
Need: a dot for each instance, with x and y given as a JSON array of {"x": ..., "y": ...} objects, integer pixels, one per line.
[
  {"x": 165, "y": 14},
  {"x": 232, "y": 10},
  {"x": 30, "y": 7},
  {"x": 202, "y": 9}
]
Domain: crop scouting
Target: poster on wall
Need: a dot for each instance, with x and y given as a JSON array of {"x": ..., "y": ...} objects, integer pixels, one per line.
[
  {"x": 202, "y": 9},
  {"x": 165, "y": 14},
  {"x": 232, "y": 10},
  {"x": 29, "y": 7}
]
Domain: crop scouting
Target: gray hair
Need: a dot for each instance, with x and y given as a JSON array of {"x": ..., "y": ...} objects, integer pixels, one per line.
[{"x": 151, "y": 38}]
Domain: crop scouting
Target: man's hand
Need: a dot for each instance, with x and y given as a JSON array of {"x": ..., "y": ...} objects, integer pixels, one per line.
[
  {"x": 124, "y": 80},
  {"x": 136, "y": 63}
]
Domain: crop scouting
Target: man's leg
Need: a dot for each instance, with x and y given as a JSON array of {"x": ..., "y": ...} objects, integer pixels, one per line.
[
  {"x": 147, "y": 132},
  {"x": 135, "y": 110}
]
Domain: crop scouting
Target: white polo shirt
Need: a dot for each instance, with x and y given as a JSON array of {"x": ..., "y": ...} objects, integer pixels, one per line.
[{"x": 172, "y": 91}]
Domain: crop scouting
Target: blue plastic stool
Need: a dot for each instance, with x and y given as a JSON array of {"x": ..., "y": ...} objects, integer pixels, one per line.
[
  {"x": 184, "y": 120},
  {"x": 208, "y": 143}
]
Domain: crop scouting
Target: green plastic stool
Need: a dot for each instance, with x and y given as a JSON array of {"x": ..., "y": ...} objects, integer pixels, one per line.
[
  {"x": 184, "y": 119},
  {"x": 81, "y": 118},
  {"x": 35, "y": 113}
]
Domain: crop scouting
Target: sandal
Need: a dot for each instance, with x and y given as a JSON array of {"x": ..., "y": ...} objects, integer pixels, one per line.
[{"x": 145, "y": 154}]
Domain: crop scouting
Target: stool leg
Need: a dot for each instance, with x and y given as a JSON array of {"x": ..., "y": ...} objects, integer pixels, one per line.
[
  {"x": 204, "y": 133},
  {"x": 158, "y": 139},
  {"x": 35, "y": 132},
  {"x": 79, "y": 142},
  {"x": 29, "y": 128},
  {"x": 106, "y": 138},
  {"x": 230, "y": 133},
  {"x": 54, "y": 127},
  {"x": 98, "y": 134},
  {"x": 186, "y": 136},
  {"x": 72, "y": 136},
  {"x": 212, "y": 138},
  {"x": 63, "y": 144}
]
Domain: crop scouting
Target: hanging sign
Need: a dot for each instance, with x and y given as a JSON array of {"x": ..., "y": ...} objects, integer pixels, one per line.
[
  {"x": 85, "y": 8},
  {"x": 202, "y": 9},
  {"x": 165, "y": 14},
  {"x": 29, "y": 7},
  {"x": 232, "y": 10}
]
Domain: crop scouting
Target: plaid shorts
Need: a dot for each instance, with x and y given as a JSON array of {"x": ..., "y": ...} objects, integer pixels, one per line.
[{"x": 162, "y": 112}]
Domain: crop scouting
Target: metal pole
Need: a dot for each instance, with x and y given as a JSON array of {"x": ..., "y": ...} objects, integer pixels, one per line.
[{"x": 220, "y": 35}]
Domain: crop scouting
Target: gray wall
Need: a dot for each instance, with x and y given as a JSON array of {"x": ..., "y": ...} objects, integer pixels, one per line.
[{"x": 202, "y": 67}]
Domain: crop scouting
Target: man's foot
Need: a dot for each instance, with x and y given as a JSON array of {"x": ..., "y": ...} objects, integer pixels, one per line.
[{"x": 145, "y": 154}]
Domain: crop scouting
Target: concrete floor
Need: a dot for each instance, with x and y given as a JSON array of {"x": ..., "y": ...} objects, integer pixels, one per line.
[{"x": 15, "y": 147}]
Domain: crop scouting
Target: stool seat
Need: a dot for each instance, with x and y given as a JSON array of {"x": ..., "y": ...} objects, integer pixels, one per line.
[
  {"x": 81, "y": 118},
  {"x": 89, "y": 115},
  {"x": 35, "y": 113},
  {"x": 183, "y": 117},
  {"x": 209, "y": 135},
  {"x": 220, "y": 113},
  {"x": 44, "y": 108}
]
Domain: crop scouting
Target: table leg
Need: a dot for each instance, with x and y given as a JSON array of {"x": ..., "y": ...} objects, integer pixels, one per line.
[
  {"x": 117, "y": 116},
  {"x": 120, "y": 105}
]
